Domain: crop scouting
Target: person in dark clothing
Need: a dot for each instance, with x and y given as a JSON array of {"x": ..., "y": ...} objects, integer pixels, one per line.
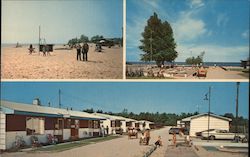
[
  {"x": 107, "y": 129},
  {"x": 85, "y": 51},
  {"x": 78, "y": 51},
  {"x": 31, "y": 49}
]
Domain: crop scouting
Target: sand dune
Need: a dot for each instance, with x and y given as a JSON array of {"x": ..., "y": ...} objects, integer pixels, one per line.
[{"x": 16, "y": 63}]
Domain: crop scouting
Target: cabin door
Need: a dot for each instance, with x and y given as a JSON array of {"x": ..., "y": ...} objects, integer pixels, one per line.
[
  {"x": 59, "y": 129},
  {"x": 74, "y": 131}
]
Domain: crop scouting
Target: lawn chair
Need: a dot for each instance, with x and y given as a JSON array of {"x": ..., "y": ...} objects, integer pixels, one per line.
[{"x": 34, "y": 141}]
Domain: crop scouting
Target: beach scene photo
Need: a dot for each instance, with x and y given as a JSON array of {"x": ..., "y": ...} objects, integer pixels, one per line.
[
  {"x": 190, "y": 39},
  {"x": 62, "y": 39},
  {"x": 77, "y": 119}
]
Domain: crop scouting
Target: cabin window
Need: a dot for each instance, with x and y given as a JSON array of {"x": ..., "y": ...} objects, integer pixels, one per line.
[
  {"x": 34, "y": 126},
  {"x": 96, "y": 124},
  {"x": 112, "y": 123}
]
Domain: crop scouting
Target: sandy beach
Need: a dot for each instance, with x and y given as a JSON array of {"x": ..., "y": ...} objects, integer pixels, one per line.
[{"x": 16, "y": 63}]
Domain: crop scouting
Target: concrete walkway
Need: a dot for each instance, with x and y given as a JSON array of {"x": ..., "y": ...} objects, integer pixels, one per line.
[{"x": 219, "y": 73}]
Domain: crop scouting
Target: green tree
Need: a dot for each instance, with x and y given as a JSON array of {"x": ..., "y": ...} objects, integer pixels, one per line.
[
  {"x": 198, "y": 60},
  {"x": 96, "y": 38},
  {"x": 84, "y": 39},
  {"x": 73, "y": 41},
  {"x": 89, "y": 110},
  {"x": 158, "y": 42}
]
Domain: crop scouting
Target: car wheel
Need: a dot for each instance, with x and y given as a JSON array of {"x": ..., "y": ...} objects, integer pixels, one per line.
[{"x": 211, "y": 137}]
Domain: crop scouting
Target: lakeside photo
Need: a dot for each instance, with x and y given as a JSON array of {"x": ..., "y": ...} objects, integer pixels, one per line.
[
  {"x": 192, "y": 39},
  {"x": 62, "y": 39},
  {"x": 75, "y": 118}
]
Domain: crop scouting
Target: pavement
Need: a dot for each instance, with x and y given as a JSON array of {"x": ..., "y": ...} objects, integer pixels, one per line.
[
  {"x": 120, "y": 147},
  {"x": 219, "y": 73}
]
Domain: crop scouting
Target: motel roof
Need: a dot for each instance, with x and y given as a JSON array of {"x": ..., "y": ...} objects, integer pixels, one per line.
[
  {"x": 113, "y": 117},
  {"x": 37, "y": 110},
  {"x": 146, "y": 121},
  {"x": 107, "y": 116},
  {"x": 205, "y": 114}
]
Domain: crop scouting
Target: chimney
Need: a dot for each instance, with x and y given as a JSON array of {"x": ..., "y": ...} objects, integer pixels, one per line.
[{"x": 37, "y": 102}]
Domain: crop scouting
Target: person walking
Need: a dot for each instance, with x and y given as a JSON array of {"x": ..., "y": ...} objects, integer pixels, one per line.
[
  {"x": 103, "y": 131},
  {"x": 85, "y": 51},
  {"x": 78, "y": 52}
]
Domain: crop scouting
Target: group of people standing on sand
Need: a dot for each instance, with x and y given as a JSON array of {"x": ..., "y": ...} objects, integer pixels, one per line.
[{"x": 82, "y": 49}]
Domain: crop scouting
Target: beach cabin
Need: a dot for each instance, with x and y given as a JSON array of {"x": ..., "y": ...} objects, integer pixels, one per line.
[
  {"x": 144, "y": 124},
  {"x": 180, "y": 124},
  {"x": 199, "y": 123},
  {"x": 128, "y": 123},
  {"x": 26, "y": 120},
  {"x": 114, "y": 123}
]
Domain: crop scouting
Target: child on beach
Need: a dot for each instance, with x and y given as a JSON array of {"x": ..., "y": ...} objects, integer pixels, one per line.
[{"x": 174, "y": 139}]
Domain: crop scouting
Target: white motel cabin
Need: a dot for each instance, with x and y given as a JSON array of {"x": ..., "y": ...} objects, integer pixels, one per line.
[
  {"x": 199, "y": 123},
  {"x": 26, "y": 120}
]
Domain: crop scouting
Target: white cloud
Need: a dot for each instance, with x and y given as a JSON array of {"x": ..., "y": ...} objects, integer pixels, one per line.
[
  {"x": 222, "y": 20},
  {"x": 196, "y": 3},
  {"x": 213, "y": 53},
  {"x": 188, "y": 28},
  {"x": 245, "y": 34}
]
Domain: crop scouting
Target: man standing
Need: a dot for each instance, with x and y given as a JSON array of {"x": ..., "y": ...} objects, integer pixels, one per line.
[
  {"x": 107, "y": 129},
  {"x": 147, "y": 136},
  {"x": 85, "y": 51},
  {"x": 78, "y": 51}
]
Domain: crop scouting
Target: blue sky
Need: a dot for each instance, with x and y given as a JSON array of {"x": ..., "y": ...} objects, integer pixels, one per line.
[
  {"x": 218, "y": 27},
  {"x": 60, "y": 20},
  {"x": 171, "y": 97}
]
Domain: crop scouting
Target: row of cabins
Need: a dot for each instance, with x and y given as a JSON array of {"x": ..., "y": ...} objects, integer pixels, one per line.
[
  {"x": 26, "y": 120},
  {"x": 118, "y": 124},
  {"x": 199, "y": 123}
]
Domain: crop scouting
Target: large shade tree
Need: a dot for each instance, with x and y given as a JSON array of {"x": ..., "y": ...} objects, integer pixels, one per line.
[{"x": 158, "y": 42}]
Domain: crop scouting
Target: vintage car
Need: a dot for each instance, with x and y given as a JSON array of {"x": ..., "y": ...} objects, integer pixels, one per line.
[
  {"x": 198, "y": 134},
  {"x": 174, "y": 130},
  {"x": 222, "y": 134}
]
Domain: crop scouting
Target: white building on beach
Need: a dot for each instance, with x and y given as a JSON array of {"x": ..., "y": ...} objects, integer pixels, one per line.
[{"x": 199, "y": 123}]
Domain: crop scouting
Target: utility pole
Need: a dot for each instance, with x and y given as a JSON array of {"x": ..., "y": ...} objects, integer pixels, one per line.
[
  {"x": 39, "y": 38},
  {"x": 59, "y": 92},
  {"x": 237, "y": 106},
  {"x": 209, "y": 97}
]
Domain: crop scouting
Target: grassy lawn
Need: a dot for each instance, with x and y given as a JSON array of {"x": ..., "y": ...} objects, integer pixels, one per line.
[
  {"x": 147, "y": 77},
  {"x": 70, "y": 145}
]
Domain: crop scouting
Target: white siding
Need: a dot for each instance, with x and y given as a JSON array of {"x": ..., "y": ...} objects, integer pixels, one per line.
[
  {"x": 201, "y": 123},
  {"x": 123, "y": 126},
  {"x": 2, "y": 131},
  {"x": 106, "y": 123},
  {"x": 11, "y": 135}
]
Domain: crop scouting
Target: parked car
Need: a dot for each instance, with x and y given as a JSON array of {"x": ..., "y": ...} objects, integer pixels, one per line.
[
  {"x": 222, "y": 134},
  {"x": 174, "y": 130},
  {"x": 198, "y": 134}
]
